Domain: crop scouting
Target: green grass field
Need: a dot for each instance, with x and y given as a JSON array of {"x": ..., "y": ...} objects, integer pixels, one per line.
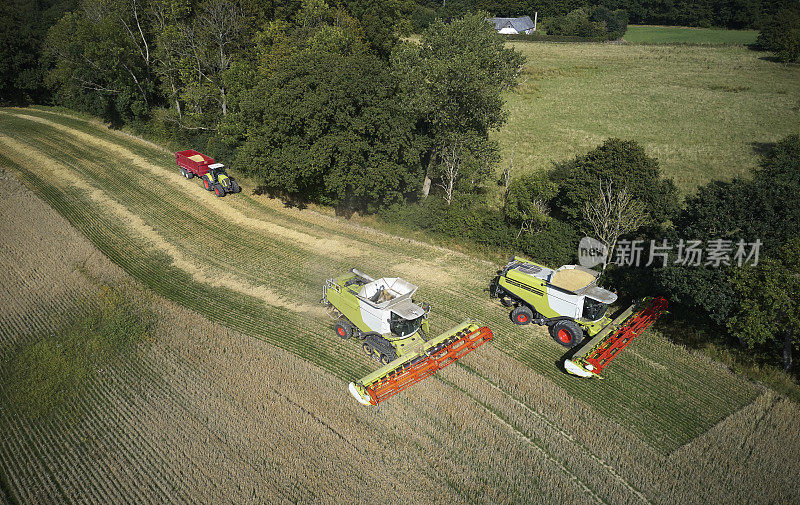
[
  {"x": 648, "y": 34},
  {"x": 705, "y": 112}
]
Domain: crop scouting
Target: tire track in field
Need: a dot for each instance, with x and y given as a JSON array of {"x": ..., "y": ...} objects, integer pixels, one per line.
[
  {"x": 141, "y": 228},
  {"x": 201, "y": 195},
  {"x": 563, "y": 434},
  {"x": 530, "y": 441}
]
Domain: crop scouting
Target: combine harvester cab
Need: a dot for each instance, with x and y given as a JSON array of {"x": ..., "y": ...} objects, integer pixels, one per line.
[
  {"x": 569, "y": 302},
  {"x": 192, "y": 163},
  {"x": 393, "y": 329}
]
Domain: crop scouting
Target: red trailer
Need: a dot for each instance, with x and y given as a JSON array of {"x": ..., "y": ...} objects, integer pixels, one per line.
[{"x": 214, "y": 176}]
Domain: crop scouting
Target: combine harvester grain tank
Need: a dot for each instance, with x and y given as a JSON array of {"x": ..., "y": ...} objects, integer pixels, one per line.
[{"x": 394, "y": 329}]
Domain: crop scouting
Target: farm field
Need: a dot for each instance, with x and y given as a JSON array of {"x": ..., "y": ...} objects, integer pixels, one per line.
[
  {"x": 649, "y": 34},
  {"x": 242, "y": 393},
  {"x": 705, "y": 112}
]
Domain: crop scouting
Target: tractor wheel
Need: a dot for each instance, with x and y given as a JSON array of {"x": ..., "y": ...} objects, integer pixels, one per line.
[
  {"x": 385, "y": 360},
  {"x": 206, "y": 184},
  {"x": 219, "y": 190},
  {"x": 567, "y": 333},
  {"x": 367, "y": 349},
  {"x": 343, "y": 329},
  {"x": 522, "y": 315},
  {"x": 235, "y": 188}
]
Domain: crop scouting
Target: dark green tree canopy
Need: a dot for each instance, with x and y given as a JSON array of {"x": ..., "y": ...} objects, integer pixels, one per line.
[
  {"x": 328, "y": 127},
  {"x": 451, "y": 84},
  {"x": 764, "y": 208},
  {"x": 768, "y": 312},
  {"x": 624, "y": 164},
  {"x": 781, "y": 34}
]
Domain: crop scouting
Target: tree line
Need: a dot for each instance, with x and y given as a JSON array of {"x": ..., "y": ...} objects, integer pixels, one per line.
[{"x": 735, "y": 14}]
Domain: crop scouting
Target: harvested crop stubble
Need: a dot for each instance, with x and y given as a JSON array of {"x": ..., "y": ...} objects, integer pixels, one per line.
[
  {"x": 134, "y": 222},
  {"x": 211, "y": 411},
  {"x": 533, "y": 434},
  {"x": 206, "y": 414},
  {"x": 298, "y": 272}
]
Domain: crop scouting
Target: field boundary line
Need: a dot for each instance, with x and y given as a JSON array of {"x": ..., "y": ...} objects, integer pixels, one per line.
[{"x": 765, "y": 392}]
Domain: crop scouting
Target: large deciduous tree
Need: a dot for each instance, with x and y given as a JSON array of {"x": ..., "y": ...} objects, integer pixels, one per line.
[
  {"x": 452, "y": 83},
  {"x": 623, "y": 164},
  {"x": 102, "y": 59},
  {"x": 325, "y": 125},
  {"x": 612, "y": 213},
  {"x": 768, "y": 310}
]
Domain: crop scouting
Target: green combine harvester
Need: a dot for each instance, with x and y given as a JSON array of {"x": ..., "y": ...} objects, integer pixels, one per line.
[
  {"x": 569, "y": 302},
  {"x": 393, "y": 329}
]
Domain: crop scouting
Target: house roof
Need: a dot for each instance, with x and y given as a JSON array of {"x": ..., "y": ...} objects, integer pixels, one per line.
[{"x": 519, "y": 24}]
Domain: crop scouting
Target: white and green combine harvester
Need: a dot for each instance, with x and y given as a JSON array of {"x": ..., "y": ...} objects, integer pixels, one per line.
[
  {"x": 570, "y": 303},
  {"x": 393, "y": 329}
]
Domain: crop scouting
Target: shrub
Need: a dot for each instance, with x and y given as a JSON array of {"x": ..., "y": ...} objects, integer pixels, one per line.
[
  {"x": 598, "y": 23},
  {"x": 623, "y": 163},
  {"x": 555, "y": 244},
  {"x": 781, "y": 35}
]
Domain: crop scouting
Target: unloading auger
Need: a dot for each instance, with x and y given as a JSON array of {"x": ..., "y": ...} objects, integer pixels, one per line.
[{"x": 394, "y": 330}]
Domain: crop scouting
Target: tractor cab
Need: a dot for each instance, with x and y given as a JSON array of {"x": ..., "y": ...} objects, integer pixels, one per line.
[
  {"x": 217, "y": 173},
  {"x": 405, "y": 324}
]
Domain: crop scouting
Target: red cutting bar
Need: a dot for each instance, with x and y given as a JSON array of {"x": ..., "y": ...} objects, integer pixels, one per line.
[
  {"x": 400, "y": 379},
  {"x": 635, "y": 326}
]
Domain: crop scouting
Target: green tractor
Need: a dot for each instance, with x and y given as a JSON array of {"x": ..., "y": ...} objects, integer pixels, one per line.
[
  {"x": 394, "y": 330},
  {"x": 568, "y": 301}
]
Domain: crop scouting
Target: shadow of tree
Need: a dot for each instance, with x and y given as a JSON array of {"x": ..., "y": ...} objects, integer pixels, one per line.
[{"x": 762, "y": 148}]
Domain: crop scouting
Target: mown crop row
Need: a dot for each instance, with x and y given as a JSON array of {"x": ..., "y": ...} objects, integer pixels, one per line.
[{"x": 211, "y": 417}]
